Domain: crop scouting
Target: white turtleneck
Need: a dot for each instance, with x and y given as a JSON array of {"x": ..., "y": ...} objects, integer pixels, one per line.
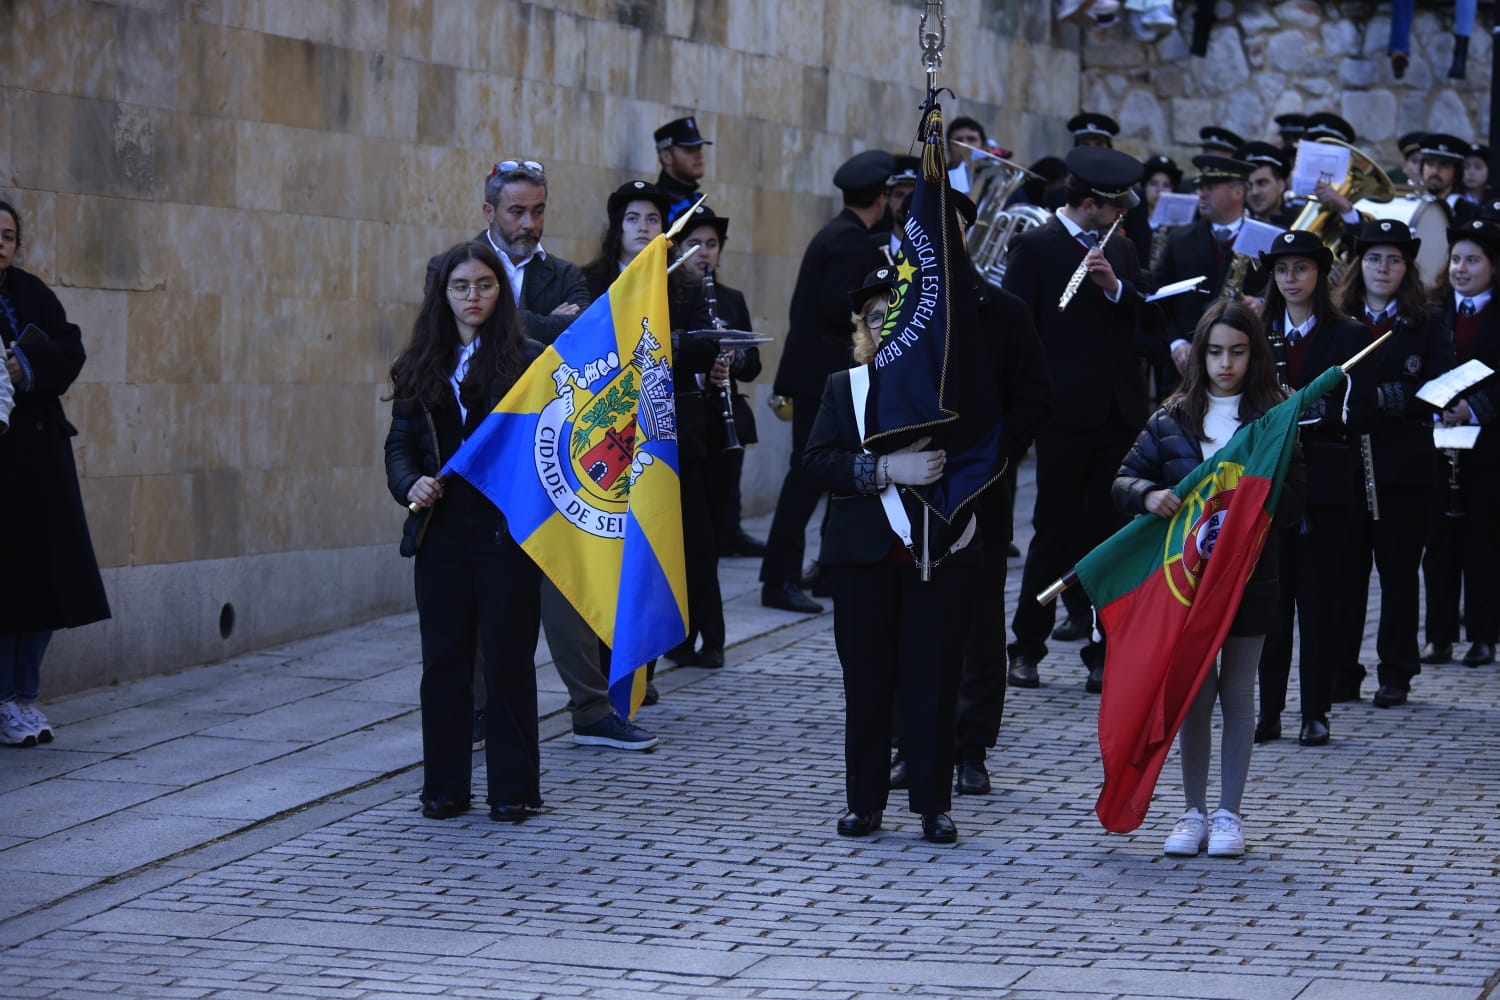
[{"x": 1220, "y": 421}]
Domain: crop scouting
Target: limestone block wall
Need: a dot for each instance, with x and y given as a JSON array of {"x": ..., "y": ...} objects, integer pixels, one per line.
[
  {"x": 1265, "y": 59},
  {"x": 235, "y": 199}
]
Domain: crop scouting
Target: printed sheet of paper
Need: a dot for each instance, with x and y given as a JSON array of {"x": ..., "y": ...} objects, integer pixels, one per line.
[
  {"x": 1462, "y": 438},
  {"x": 1255, "y": 238},
  {"x": 1441, "y": 390},
  {"x": 1176, "y": 288},
  {"x": 1319, "y": 161},
  {"x": 1174, "y": 209}
]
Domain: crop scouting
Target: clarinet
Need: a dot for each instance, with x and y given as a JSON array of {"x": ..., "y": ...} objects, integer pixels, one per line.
[
  {"x": 1367, "y": 458},
  {"x": 726, "y": 396},
  {"x": 1455, "y": 508}
]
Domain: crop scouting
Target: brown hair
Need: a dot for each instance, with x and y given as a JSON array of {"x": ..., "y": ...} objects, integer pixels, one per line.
[{"x": 1258, "y": 393}]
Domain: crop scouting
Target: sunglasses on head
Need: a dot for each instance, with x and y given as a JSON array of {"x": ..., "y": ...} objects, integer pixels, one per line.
[{"x": 511, "y": 166}]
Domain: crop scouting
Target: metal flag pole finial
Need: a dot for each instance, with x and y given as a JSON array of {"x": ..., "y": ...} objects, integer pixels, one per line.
[{"x": 932, "y": 41}]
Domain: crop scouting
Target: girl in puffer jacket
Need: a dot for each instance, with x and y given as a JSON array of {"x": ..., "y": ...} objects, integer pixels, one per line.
[{"x": 1229, "y": 381}]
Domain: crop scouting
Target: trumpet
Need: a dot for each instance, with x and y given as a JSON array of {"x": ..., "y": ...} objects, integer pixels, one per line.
[{"x": 1076, "y": 281}]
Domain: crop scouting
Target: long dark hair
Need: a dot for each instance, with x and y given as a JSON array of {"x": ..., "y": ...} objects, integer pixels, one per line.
[
  {"x": 603, "y": 269},
  {"x": 1322, "y": 299},
  {"x": 421, "y": 371},
  {"x": 1410, "y": 298},
  {"x": 1258, "y": 392},
  {"x": 6, "y": 206},
  {"x": 1442, "y": 289}
]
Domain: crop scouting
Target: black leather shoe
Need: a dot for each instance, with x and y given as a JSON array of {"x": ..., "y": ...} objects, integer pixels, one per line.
[
  {"x": 937, "y": 828},
  {"x": 1314, "y": 733},
  {"x": 510, "y": 814},
  {"x": 652, "y": 695},
  {"x": 1389, "y": 696},
  {"x": 1267, "y": 729},
  {"x": 1437, "y": 652},
  {"x": 1344, "y": 691},
  {"x": 1095, "y": 683},
  {"x": 788, "y": 597},
  {"x": 859, "y": 825},
  {"x": 683, "y": 652},
  {"x": 816, "y": 583},
  {"x": 441, "y": 808},
  {"x": 973, "y": 777},
  {"x": 1023, "y": 672},
  {"x": 744, "y": 546},
  {"x": 899, "y": 777},
  {"x": 1479, "y": 654},
  {"x": 710, "y": 659},
  {"x": 1072, "y": 629}
]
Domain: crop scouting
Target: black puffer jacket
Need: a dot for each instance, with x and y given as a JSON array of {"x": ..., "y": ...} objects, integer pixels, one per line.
[{"x": 1162, "y": 455}]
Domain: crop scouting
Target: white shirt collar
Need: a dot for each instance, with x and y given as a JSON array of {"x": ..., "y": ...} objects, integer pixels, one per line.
[
  {"x": 1480, "y": 301},
  {"x": 460, "y": 369},
  {"x": 1376, "y": 317},
  {"x": 1303, "y": 330},
  {"x": 515, "y": 272}
]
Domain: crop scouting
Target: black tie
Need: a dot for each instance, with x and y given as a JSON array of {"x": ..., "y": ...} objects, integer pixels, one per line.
[
  {"x": 1467, "y": 309},
  {"x": 1293, "y": 335},
  {"x": 1223, "y": 234}
]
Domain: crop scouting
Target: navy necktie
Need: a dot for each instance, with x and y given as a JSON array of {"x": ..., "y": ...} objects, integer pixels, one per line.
[
  {"x": 1223, "y": 235},
  {"x": 1467, "y": 309},
  {"x": 1089, "y": 239}
]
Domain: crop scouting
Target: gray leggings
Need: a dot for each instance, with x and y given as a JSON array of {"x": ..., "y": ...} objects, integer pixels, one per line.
[{"x": 1232, "y": 684}]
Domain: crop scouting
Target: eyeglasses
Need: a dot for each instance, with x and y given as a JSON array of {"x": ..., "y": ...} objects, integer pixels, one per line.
[
  {"x": 1288, "y": 270},
  {"x": 484, "y": 286},
  {"x": 874, "y": 320},
  {"x": 511, "y": 166},
  {"x": 1378, "y": 260}
]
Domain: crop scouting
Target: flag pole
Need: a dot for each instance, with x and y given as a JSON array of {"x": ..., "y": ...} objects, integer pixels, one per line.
[{"x": 1062, "y": 583}]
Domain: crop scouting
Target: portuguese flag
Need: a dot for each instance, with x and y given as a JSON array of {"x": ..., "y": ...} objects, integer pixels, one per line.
[{"x": 1167, "y": 606}]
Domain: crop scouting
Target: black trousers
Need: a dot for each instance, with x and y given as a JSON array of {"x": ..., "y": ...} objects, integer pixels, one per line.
[
  {"x": 1463, "y": 554},
  {"x": 1074, "y": 473},
  {"x": 724, "y": 470},
  {"x": 489, "y": 595},
  {"x": 798, "y": 500},
  {"x": 700, "y": 544},
  {"x": 900, "y": 641},
  {"x": 981, "y": 682},
  {"x": 1317, "y": 592},
  {"x": 1393, "y": 545}
]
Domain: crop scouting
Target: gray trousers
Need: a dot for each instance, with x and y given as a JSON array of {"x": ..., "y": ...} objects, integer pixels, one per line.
[{"x": 575, "y": 654}]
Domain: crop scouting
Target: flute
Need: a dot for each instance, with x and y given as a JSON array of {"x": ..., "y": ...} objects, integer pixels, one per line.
[{"x": 1076, "y": 281}]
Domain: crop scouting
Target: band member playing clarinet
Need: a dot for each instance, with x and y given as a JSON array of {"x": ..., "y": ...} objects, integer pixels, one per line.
[
  {"x": 1463, "y": 551},
  {"x": 1383, "y": 291}
]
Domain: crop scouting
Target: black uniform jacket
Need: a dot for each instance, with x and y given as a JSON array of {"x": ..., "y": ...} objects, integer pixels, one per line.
[
  {"x": 1401, "y": 434},
  {"x": 735, "y": 313},
  {"x": 818, "y": 335},
  {"x": 546, "y": 283},
  {"x": 1161, "y": 457},
  {"x": 1191, "y": 251},
  {"x": 1093, "y": 348},
  {"x": 1483, "y": 398},
  {"x": 1335, "y": 473}
]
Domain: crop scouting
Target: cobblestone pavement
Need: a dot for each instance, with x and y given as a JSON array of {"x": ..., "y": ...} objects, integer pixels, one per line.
[{"x": 710, "y": 867}]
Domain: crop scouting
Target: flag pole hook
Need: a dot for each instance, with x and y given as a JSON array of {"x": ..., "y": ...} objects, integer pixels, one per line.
[{"x": 932, "y": 41}]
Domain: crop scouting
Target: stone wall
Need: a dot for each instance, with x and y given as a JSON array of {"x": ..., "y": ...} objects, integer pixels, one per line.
[
  {"x": 1265, "y": 59},
  {"x": 235, "y": 199}
]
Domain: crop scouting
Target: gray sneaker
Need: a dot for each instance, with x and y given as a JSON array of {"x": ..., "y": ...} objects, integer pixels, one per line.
[{"x": 614, "y": 731}]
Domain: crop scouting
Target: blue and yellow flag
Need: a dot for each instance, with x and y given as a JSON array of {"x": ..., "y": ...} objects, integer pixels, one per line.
[
  {"x": 932, "y": 376},
  {"x": 581, "y": 457}
]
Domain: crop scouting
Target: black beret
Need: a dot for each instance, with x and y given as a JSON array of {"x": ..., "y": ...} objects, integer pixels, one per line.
[
  {"x": 1222, "y": 168},
  {"x": 1219, "y": 137},
  {"x": 1386, "y": 232},
  {"x": 1485, "y": 232},
  {"x": 639, "y": 191},
  {"x": 1091, "y": 123},
  {"x": 1161, "y": 164},
  {"x": 869, "y": 169},
  {"x": 1480, "y": 150},
  {"x": 1109, "y": 174},
  {"x": 679, "y": 132},
  {"x": 1292, "y": 123},
  {"x": 1441, "y": 146},
  {"x": 1411, "y": 142},
  {"x": 704, "y": 216},
  {"x": 1299, "y": 243}
]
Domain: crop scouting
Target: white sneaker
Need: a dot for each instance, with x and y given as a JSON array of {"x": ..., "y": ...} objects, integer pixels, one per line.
[
  {"x": 33, "y": 717},
  {"x": 1159, "y": 17},
  {"x": 1188, "y": 837},
  {"x": 15, "y": 731},
  {"x": 1225, "y": 838}
]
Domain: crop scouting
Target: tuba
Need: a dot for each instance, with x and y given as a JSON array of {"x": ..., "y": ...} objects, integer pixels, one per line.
[
  {"x": 1365, "y": 181},
  {"x": 996, "y": 226}
]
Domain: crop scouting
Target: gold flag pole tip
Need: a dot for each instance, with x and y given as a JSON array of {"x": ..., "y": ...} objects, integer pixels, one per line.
[
  {"x": 682, "y": 219},
  {"x": 1367, "y": 351}
]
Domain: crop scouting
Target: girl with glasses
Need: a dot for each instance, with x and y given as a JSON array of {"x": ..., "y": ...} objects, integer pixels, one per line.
[
  {"x": 1383, "y": 291},
  {"x": 474, "y": 585},
  {"x": 1311, "y": 335}
]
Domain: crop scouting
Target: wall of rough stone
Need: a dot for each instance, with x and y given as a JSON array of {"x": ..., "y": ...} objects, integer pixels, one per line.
[
  {"x": 235, "y": 199},
  {"x": 1265, "y": 59}
]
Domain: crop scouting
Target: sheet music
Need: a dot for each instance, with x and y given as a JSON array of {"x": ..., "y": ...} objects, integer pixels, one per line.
[
  {"x": 1176, "y": 288},
  {"x": 1174, "y": 209},
  {"x": 1319, "y": 161},
  {"x": 1442, "y": 390},
  {"x": 1462, "y": 438},
  {"x": 1256, "y": 238}
]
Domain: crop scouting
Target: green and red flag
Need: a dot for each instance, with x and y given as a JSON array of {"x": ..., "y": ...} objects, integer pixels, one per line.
[{"x": 1167, "y": 606}]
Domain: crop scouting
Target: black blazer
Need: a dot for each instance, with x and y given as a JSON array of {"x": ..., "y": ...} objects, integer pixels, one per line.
[
  {"x": 1093, "y": 348},
  {"x": 1191, "y": 251},
  {"x": 547, "y": 283},
  {"x": 1483, "y": 398},
  {"x": 1335, "y": 474},
  {"x": 1401, "y": 430},
  {"x": 818, "y": 335}
]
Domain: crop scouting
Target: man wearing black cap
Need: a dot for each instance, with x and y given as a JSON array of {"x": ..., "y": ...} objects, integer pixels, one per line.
[
  {"x": 1290, "y": 128},
  {"x": 1098, "y": 392},
  {"x": 818, "y": 344},
  {"x": 1410, "y": 173},
  {"x": 679, "y": 148},
  {"x": 1327, "y": 125},
  {"x": 1206, "y": 247},
  {"x": 1090, "y": 128},
  {"x": 1216, "y": 140},
  {"x": 1265, "y": 188},
  {"x": 1442, "y": 160}
]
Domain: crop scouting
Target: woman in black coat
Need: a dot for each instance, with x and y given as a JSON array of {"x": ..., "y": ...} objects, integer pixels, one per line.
[
  {"x": 473, "y": 582},
  {"x": 49, "y": 578}
]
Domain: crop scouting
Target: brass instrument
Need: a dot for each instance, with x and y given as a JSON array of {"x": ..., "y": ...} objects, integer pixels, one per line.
[
  {"x": 1234, "y": 281},
  {"x": 1365, "y": 181},
  {"x": 725, "y": 392},
  {"x": 1076, "y": 281},
  {"x": 995, "y": 226}
]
